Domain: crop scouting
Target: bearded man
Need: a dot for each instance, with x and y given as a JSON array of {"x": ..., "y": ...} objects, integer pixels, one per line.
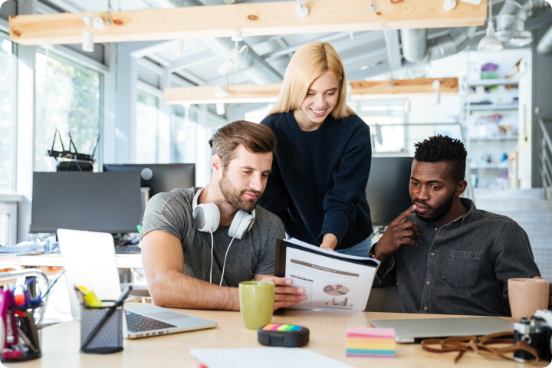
[
  {"x": 447, "y": 256},
  {"x": 198, "y": 244}
]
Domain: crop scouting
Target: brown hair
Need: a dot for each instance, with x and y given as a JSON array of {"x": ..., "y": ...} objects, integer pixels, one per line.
[{"x": 256, "y": 138}]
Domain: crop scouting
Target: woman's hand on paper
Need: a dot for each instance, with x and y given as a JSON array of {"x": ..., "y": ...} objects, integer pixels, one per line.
[
  {"x": 285, "y": 295},
  {"x": 329, "y": 242}
]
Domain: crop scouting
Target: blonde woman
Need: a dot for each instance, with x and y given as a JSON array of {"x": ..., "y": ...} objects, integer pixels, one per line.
[{"x": 322, "y": 161}]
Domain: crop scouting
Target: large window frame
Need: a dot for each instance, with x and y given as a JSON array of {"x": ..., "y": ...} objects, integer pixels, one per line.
[
  {"x": 159, "y": 96},
  {"x": 13, "y": 135},
  {"x": 84, "y": 64}
]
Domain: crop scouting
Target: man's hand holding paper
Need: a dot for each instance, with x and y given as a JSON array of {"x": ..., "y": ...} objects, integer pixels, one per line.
[{"x": 285, "y": 295}]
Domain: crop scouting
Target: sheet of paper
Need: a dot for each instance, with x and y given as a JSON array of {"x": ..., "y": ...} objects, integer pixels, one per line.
[
  {"x": 264, "y": 357},
  {"x": 329, "y": 283}
]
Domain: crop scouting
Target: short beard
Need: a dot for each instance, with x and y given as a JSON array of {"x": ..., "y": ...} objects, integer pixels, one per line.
[
  {"x": 233, "y": 195},
  {"x": 439, "y": 212}
]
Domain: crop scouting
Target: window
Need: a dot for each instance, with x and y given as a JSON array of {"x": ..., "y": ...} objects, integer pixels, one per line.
[
  {"x": 8, "y": 79},
  {"x": 147, "y": 129},
  {"x": 67, "y": 99},
  {"x": 256, "y": 116},
  {"x": 183, "y": 135},
  {"x": 386, "y": 119}
]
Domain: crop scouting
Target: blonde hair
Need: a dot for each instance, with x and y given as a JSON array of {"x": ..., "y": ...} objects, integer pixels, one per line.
[{"x": 310, "y": 62}]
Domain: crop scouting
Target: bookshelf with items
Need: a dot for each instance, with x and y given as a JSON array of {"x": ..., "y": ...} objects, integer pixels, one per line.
[{"x": 489, "y": 97}]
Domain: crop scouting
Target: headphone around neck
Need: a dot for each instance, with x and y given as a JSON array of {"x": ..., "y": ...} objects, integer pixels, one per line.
[{"x": 207, "y": 219}]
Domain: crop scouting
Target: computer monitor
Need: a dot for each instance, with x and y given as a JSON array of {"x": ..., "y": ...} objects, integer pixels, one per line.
[
  {"x": 387, "y": 190},
  {"x": 107, "y": 202},
  {"x": 159, "y": 177}
]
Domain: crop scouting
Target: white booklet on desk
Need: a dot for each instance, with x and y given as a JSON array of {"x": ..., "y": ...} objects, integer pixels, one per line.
[{"x": 332, "y": 281}]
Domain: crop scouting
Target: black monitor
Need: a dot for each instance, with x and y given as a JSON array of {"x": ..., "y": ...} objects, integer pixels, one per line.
[
  {"x": 159, "y": 177},
  {"x": 106, "y": 202},
  {"x": 387, "y": 191}
]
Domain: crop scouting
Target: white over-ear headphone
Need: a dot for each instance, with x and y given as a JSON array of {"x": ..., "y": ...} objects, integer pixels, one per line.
[{"x": 207, "y": 219}]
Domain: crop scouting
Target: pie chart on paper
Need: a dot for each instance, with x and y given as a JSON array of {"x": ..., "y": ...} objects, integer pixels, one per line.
[{"x": 336, "y": 290}]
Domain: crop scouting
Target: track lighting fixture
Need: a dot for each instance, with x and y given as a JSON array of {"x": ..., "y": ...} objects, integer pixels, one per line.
[
  {"x": 490, "y": 43},
  {"x": 301, "y": 11}
]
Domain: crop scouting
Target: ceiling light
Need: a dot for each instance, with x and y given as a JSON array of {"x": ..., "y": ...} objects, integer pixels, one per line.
[
  {"x": 301, "y": 11},
  {"x": 448, "y": 5},
  {"x": 220, "y": 108},
  {"x": 98, "y": 23},
  {"x": 436, "y": 86},
  {"x": 220, "y": 93},
  {"x": 515, "y": 38},
  {"x": 490, "y": 43},
  {"x": 87, "y": 36},
  {"x": 178, "y": 47}
]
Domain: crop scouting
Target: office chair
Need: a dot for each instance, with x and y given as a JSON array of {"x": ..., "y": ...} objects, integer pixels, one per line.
[{"x": 385, "y": 299}]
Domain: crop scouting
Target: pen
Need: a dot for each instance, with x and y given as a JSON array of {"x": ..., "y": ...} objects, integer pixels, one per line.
[{"x": 52, "y": 284}]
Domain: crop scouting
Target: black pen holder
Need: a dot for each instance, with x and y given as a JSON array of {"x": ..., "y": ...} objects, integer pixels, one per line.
[
  {"x": 109, "y": 338},
  {"x": 27, "y": 346}
]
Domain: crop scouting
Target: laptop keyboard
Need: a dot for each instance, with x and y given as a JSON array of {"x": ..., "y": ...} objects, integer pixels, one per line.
[
  {"x": 127, "y": 249},
  {"x": 139, "y": 323}
]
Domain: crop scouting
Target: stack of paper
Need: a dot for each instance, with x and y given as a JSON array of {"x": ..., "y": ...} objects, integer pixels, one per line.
[{"x": 371, "y": 342}]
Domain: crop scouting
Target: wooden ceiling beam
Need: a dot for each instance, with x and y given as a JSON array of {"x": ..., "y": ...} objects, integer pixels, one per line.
[
  {"x": 251, "y": 93},
  {"x": 251, "y": 19}
]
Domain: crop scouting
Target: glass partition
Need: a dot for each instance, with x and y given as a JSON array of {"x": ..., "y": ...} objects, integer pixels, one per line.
[
  {"x": 68, "y": 99},
  {"x": 8, "y": 78},
  {"x": 147, "y": 129}
]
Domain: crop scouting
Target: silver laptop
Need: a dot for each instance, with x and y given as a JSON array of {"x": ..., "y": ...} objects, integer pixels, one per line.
[
  {"x": 414, "y": 330},
  {"x": 89, "y": 260}
]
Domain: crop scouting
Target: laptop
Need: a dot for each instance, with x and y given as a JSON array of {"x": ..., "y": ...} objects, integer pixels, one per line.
[
  {"x": 415, "y": 330},
  {"x": 89, "y": 260}
]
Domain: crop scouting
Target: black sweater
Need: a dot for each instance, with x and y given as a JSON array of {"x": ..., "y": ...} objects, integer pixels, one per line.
[{"x": 318, "y": 180}]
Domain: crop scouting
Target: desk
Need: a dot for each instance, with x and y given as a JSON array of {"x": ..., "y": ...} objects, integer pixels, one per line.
[
  {"x": 55, "y": 260},
  {"x": 61, "y": 344}
]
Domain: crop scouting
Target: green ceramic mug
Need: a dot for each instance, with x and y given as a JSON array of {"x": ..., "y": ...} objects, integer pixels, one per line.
[{"x": 256, "y": 303}]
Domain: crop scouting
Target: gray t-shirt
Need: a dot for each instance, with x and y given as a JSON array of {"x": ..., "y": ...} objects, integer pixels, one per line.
[{"x": 255, "y": 253}]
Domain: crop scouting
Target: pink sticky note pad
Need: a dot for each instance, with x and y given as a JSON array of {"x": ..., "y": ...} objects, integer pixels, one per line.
[{"x": 382, "y": 333}]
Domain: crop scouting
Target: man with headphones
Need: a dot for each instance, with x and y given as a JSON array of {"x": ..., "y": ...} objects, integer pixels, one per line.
[{"x": 198, "y": 244}]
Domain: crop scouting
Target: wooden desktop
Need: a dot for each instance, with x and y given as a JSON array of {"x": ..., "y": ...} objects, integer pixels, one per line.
[{"x": 60, "y": 343}]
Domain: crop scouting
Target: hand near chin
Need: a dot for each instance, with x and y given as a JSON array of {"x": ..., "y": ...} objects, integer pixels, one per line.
[{"x": 399, "y": 232}]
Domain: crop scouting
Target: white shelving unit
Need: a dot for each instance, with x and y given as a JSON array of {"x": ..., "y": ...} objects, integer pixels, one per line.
[
  {"x": 489, "y": 166},
  {"x": 492, "y": 82},
  {"x": 491, "y": 107},
  {"x": 498, "y": 138},
  {"x": 483, "y": 141}
]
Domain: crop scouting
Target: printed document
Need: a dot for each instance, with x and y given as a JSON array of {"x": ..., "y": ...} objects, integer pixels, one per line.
[{"x": 329, "y": 283}]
